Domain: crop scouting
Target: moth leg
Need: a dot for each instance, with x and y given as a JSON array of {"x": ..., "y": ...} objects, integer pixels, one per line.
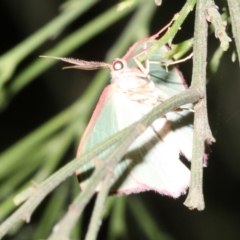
[
  {"x": 145, "y": 70},
  {"x": 154, "y": 36},
  {"x": 166, "y": 64}
]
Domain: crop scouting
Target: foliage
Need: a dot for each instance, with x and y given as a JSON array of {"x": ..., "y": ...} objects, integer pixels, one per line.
[{"x": 39, "y": 155}]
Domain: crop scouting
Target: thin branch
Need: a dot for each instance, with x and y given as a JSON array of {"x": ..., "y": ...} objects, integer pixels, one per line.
[
  {"x": 40, "y": 191},
  {"x": 202, "y": 130},
  {"x": 215, "y": 18},
  {"x": 99, "y": 207},
  {"x": 106, "y": 184},
  {"x": 61, "y": 141},
  {"x": 10, "y": 60},
  {"x": 181, "y": 16},
  {"x": 234, "y": 8},
  {"x": 64, "y": 227}
]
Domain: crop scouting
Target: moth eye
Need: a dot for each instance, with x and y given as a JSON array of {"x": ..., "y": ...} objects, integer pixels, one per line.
[{"x": 118, "y": 65}]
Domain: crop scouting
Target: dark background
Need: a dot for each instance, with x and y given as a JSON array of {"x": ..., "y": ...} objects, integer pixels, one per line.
[{"x": 56, "y": 89}]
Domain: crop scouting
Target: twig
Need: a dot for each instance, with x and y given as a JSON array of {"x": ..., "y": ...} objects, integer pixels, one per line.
[
  {"x": 215, "y": 18},
  {"x": 64, "y": 227},
  {"x": 234, "y": 8},
  {"x": 189, "y": 5},
  {"x": 24, "y": 212},
  {"x": 202, "y": 132},
  {"x": 112, "y": 160},
  {"x": 10, "y": 60},
  {"x": 61, "y": 141},
  {"x": 106, "y": 184},
  {"x": 99, "y": 207}
]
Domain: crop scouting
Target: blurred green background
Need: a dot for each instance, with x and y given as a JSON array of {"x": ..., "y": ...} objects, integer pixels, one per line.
[{"x": 32, "y": 93}]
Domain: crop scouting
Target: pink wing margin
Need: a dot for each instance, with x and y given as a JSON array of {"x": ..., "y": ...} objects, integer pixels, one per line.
[{"x": 100, "y": 105}]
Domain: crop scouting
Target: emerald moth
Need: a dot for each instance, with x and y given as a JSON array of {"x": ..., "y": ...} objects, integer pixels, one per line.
[{"x": 152, "y": 162}]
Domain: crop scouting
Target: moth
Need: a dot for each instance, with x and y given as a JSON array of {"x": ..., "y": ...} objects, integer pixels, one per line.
[{"x": 153, "y": 161}]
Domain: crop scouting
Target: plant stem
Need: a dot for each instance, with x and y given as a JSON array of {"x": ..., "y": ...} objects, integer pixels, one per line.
[
  {"x": 202, "y": 130},
  {"x": 234, "y": 8},
  {"x": 10, "y": 60},
  {"x": 65, "y": 226},
  {"x": 189, "y": 5}
]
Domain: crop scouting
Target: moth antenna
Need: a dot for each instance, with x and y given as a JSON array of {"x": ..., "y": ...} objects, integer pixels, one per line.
[{"x": 81, "y": 64}]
